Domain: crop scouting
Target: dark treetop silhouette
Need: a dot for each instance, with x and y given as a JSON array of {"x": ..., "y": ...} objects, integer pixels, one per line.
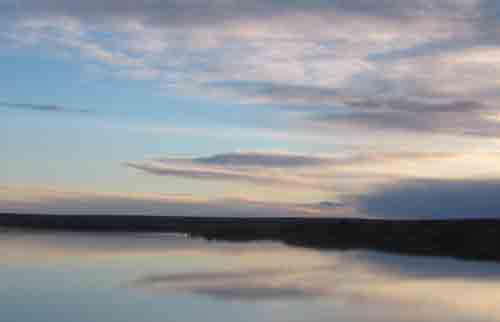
[{"x": 463, "y": 238}]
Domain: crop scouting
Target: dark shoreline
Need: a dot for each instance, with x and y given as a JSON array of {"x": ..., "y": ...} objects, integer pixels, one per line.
[{"x": 473, "y": 239}]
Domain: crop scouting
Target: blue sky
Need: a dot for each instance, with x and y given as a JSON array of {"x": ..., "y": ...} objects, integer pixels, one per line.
[{"x": 329, "y": 108}]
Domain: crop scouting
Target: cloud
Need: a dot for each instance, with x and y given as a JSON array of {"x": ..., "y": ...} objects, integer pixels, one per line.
[
  {"x": 40, "y": 107},
  {"x": 459, "y": 124},
  {"x": 301, "y": 43},
  {"x": 300, "y": 171},
  {"x": 309, "y": 55},
  {"x": 203, "y": 12},
  {"x": 490, "y": 20},
  {"x": 410, "y": 108},
  {"x": 255, "y": 293},
  {"x": 401, "y": 184},
  {"x": 54, "y": 201},
  {"x": 378, "y": 98},
  {"x": 277, "y": 159},
  {"x": 280, "y": 93},
  {"x": 342, "y": 68},
  {"x": 260, "y": 159},
  {"x": 207, "y": 173},
  {"x": 409, "y": 105},
  {"x": 262, "y": 168},
  {"x": 438, "y": 199},
  {"x": 385, "y": 105}
]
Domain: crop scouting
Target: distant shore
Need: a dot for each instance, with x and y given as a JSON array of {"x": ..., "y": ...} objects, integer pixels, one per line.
[{"x": 474, "y": 239}]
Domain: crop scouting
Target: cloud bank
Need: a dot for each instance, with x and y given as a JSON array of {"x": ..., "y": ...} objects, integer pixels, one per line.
[
  {"x": 428, "y": 199},
  {"x": 60, "y": 202}
]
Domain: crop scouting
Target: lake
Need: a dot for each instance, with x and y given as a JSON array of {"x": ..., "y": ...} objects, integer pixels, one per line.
[{"x": 130, "y": 277}]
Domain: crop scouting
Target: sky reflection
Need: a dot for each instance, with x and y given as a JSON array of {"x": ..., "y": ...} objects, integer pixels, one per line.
[{"x": 166, "y": 278}]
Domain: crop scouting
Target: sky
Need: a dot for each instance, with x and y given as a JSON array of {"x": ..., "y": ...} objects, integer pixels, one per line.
[{"x": 351, "y": 108}]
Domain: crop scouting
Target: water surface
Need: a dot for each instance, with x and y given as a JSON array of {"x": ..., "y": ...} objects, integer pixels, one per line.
[{"x": 83, "y": 277}]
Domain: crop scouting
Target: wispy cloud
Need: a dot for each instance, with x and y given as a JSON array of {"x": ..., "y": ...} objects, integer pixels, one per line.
[
  {"x": 320, "y": 172},
  {"x": 261, "y": 168},
  {"x": 29, "y": 199},
  {"x": 384, "y": 106},
  {"x": 40, "y": 107},
  {"x": 209, "y": 173},
  {"x": 261, "y": 159}
]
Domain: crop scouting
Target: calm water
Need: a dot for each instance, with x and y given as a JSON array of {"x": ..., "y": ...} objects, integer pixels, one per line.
[{"x": 54, "y": 277}]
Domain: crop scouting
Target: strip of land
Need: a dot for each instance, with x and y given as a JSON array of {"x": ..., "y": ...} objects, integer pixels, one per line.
[{"x": 474, "y": 239}]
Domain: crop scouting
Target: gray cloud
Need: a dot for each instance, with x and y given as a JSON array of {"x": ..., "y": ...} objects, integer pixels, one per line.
[
  {"x": 253, "y": 167},
  {"x": 381, "y": 96},
  {"x": 259, "y": 159},
  {"x": 275, "y": 168},
  {"x": 331, "y": 204},
  {"x": 490, "y": 20},
  {"x": 284, "y": 94},
  {"x": 291, "y": 160},
  {"x": 433, "y": 199},
  {"x": 383, "y": 109},
  {"x": 456, "y": 123},
  {"x": 255, "y": 293},
  {"x": 40, "y": 107},
  {"x": 459, "y": 117},
  {"x": 409, "y": 105},
  {"x": 426, "y": 48},
  {"x": 198, "y": 11},
  {"x": 209, "y": 173}
]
